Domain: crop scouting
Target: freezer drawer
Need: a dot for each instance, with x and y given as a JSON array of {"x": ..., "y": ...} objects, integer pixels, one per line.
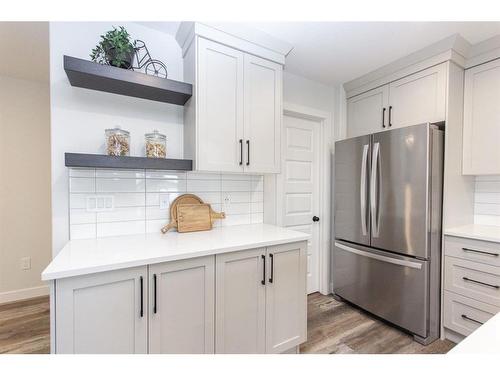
[{"x": 393, "y": 287}]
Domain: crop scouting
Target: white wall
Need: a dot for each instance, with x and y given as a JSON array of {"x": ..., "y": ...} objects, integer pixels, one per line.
[
  {"x": 79, "y": 116},
  {"x": 25, "y": 186}
]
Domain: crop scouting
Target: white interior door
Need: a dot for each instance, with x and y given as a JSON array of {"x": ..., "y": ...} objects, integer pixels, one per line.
[{"x": 301, "y": 190}]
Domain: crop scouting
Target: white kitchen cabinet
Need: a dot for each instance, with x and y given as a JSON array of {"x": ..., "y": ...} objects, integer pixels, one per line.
[
  {"x": 263, "y": 113},
  {"x": 261, "y": 299},
  {"x": 286, "y": 297},
  {"x": 233, "y": 120},
  {"x": 367, "y": 112},
  {"x": 481, "y": 131},
  {"x": 412, "y": 100},
  {"x": 418, "y": 98},
  {"x": 219, "y": 118},
  {"x": 181, "y": 305},
  {"x": 241, "y": 302},
  {"x": 103, "y": 313}
]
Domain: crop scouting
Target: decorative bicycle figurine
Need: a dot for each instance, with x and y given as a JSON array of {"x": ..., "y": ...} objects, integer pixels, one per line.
[{"x": 151, "y": 66}]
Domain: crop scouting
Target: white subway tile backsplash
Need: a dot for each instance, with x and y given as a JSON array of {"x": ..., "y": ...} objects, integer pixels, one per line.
[
  {"x": 120, "y": 228},
  {"x": 81, "y": 185},
  {"x": 487, "y": 200},
  {"x": 82, "y": 231},
  {"x": 168, "y": 175},
  {"x": 203, "y": 185},
  {"x": 122, "y": 214},
  {"x": 120, "y": 185},
  {"x": 119, "y": 173},
  {"x": 159, "y": 185},
  {"x": 136, "y": 196}
]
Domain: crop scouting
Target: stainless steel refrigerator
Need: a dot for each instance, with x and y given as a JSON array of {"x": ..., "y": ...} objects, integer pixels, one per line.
[{"x": 388, "y": 203}]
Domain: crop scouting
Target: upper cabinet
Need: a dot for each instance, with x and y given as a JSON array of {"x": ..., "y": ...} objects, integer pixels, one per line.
[
  {"x": 367, "y": 112},
  {"x": 233, "y": 121},
  {"x": 481, "y": 131},
  {"x": 414, "y": 99}
]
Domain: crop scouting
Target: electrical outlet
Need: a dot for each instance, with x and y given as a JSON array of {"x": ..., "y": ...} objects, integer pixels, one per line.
[
  {"x": 100, "y": 203},
  {"x": 26, "y": 263},
  {"x": 164, "y": 201}
]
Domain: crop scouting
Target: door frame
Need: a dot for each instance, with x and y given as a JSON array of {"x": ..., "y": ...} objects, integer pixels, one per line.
[{"x": 326, "y": 143}]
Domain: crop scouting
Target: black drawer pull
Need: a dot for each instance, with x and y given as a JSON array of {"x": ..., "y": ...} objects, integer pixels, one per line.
[
  {"x": 241, "y": 151},
  {"x": 480, "y": 282},
  {"x": 472, "y": 320},
  {"x": 263, "y": 281},
  {"x": 479, "y": 251},
  {"x": 155, "y": 309},
  {"x": 272, "y": 268},
  {"x": 390, "y": 115},
  {"x": 248, "y": 152},
  {"x": 142, "y": 296},
  {"x": 383, "y": 117}
]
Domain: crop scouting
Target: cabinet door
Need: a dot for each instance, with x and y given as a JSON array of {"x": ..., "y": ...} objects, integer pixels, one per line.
[
  {"x": 263, "y": 114},
  {"x": 220, "y": 108},
  {"x": 367, "y": 112},
  {"x": 181, "y": 296},
  {"x": 418, "y": 98},
  {"x": 103, "y": 313},
  {"x": 240, "y": 302},
  {"x": 286, "y": 297},
  {"x": 481, "y": 133}
]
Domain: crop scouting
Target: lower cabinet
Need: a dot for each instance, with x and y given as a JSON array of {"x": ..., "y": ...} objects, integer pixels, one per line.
[
  {"x": 181, "y": 296},
  {"x": 261, "y": 300},
  {"x": 103, "y": 313},
  {"x": 250, "y": 301}
]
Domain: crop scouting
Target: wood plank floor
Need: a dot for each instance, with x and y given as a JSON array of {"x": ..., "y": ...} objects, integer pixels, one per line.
[
  {"x": 333, "y": 327},
  {"x": 337, "y": 327}
]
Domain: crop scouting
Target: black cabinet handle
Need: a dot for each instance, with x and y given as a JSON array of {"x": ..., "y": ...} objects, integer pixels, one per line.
[
  {"x": 480, "y": 282},
  {"x": 472, "y": 320},
  {"x": 272, "y": 268},
  {"x": 383, "y": 117},
  {"x": 263, "y": 281},
  {"x": 155, "y": 309},
  {"x": 390, "y": 115},
  {"x": 248, "y": 152},
  {"x": 142, "y": 296},
  {"x": 241, "y": 151},
  {"x": 315, "y": 218},
  {"x": 479, "y": 251}
]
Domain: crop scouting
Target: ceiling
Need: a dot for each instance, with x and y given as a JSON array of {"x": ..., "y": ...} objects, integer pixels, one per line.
[
  {"x": 336, "y": 52},
  {"x": 25, "y": 50}
]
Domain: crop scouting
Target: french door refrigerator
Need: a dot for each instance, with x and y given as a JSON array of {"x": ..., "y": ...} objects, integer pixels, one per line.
[{"x": 388, "y": 203}]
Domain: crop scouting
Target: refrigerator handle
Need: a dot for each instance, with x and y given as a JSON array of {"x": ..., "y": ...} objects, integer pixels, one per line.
[
  {"x": 362, "y": 189},
  {"x": 373, "y": 188}
]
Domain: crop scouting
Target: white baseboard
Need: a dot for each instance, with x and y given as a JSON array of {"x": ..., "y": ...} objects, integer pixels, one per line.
[{"x": 17, "y": 295}]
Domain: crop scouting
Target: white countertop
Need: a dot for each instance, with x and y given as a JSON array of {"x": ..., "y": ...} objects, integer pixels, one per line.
[
  {"x": 80, "y": 257},
  {"x": 476, "y": 231},
  {"x": 484, "y": 340}
]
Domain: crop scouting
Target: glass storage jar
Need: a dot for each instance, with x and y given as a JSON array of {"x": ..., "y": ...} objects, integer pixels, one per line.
[
  {"x": 117, "y": 142},
  {"x": 156, "y": 145}
]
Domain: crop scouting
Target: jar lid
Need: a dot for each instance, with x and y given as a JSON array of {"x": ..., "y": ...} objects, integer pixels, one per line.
[
  {"x": 156, "y": 135},
  {"x": 117, "y": 130}
]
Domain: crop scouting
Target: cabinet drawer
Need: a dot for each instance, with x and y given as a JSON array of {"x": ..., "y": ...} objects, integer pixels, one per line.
[
  {"x": 464, "y": 315},
  {"x": 472, "y": 279},
  {"x": 478, "y": 251}
]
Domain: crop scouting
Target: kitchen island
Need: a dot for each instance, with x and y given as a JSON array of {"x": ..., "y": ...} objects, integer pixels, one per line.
[{"x": 239, "y": 289}]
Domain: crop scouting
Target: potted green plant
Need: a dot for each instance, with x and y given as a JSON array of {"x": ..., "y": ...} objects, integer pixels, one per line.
[{"x": 115, "y": 48}]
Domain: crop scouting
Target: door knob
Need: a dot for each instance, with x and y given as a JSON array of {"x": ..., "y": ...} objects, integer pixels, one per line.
[{"x": 315, "y": 218}]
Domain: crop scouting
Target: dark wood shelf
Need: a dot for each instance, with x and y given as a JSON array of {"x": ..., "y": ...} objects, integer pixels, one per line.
[
  {"x": 94, "y": 76},
  {"x": 126, "y": 162}
]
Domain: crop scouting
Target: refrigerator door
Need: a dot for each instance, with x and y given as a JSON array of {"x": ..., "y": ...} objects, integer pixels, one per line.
[
  {"x": 399, "y": 190},
  {"x": 390, "y": 286},
  {"x": 352, "y": 167}
]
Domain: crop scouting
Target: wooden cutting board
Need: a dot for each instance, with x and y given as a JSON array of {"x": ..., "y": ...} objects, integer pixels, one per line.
[
  {"x": 193, "y": 217},
  {"x": 188, "y": 199}
]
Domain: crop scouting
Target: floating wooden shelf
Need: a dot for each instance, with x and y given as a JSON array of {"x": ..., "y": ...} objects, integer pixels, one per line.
[
  {"x": 126, "y": 162},
  {"x": 94, "y": 76}
]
